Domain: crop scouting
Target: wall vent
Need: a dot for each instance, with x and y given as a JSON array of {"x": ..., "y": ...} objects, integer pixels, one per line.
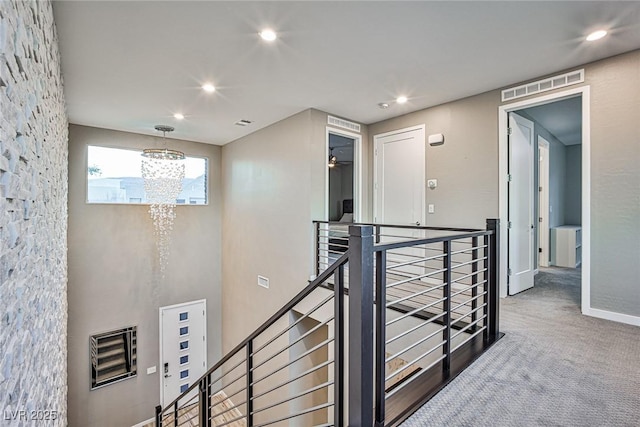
[
  {"x": 243, "y": 122},
  {"x": 113, "y": 356},
  {"x": 555, "y": 82},
  {"x": 344, "y": 124}
]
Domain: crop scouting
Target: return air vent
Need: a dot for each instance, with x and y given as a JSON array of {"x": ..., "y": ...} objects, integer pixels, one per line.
[
  {"x": 243, "y": 122},
  {"x": 556, "y": 82},
  {"x": 344, "y": 124},
  {"x": 113, "y": 356}
]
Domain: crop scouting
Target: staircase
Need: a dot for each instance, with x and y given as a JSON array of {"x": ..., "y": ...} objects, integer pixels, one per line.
[{"x": 424, "y": 307}]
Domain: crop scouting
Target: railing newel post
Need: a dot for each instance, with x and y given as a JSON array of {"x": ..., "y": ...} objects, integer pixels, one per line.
[
  {"x": 361, "y": 345},
  {"x": 204, "y": 401},
  {"x": 381, "y": 320},
  {"x": 474, "y": 282},
  {"x": 175, "y": 414},
  {"x": 249, "y": 375},
  {"x": 494, "y": 273},
  {"x": 158, "y": 416},
  {"x": 338, "y": 411},
  {"x": 317, "y": 229},
  {"x": 446, "y": 365}
]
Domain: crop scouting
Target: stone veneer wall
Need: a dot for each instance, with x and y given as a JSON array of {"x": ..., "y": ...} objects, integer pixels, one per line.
[{"x": 33, "y": 218}]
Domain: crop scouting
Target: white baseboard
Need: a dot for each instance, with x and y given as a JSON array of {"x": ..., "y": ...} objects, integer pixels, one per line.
[
  {"x": 144, "y": 423},
  {"x": 610, "y": 315}
]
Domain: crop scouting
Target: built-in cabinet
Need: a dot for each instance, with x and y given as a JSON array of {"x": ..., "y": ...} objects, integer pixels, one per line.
[{"x": 566, "y": 246}]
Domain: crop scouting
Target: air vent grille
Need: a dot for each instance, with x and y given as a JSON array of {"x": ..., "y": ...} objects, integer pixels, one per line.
[
  {"x": 243, "y": 122},
  {"x": 113, "y": 356},
  {"x": 556, "y": 82},
  {"x": 344, "y": 124}
]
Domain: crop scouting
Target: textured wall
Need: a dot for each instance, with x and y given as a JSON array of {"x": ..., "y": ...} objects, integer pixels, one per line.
[
  {"x": 114, "y": 280},
  {"x": 33, "y": 218}
]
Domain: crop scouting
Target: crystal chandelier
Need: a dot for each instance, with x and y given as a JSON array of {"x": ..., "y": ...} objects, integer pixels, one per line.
[{"x": 163, "y": 174}]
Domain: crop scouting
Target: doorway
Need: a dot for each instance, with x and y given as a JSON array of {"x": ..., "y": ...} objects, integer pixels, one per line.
[
  {"x": 183, "y": 348},
  {"x": 561, "y": 185},
  {"x": 344, "y": 182}
]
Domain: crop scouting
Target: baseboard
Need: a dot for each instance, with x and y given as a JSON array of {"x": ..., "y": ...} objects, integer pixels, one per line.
[
  {"x": 144, "y": 423},
  {"x": 610, "y": 315}
]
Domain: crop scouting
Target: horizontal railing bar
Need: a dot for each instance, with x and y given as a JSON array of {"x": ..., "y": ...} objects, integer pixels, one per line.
[
  {"x": 475, "y": 273},
  {"x": 421, "y": 276},
  {"x": 293, "y": 325},
  {"x": 290, "y": 380},
  {"x": 484, "y": 316},
  {"x": 468, "y": 301},
  {"x": 402, "y": 264},
  {"x": 408, "y": 297},
  {"x": 468, "y": 339},
  {"x": 402, "y": 254},
  {"x": 322, "y": 277},
  {"x": 417, "y": 227},
  {"x": 467, "y": 250},
  {"x": 243, "y": 361},
  {"x": 192, "y": 401},
  {"x": 412, "y": 312},
  {"x": 187, "y": 421},
  {"x": 232, "y": 421},
  {"x": 229, "y": 398},
  {"x": 396, "y": 245},
  {"x": 297, "y": 414},
  {"x": 407, "y": 275},
  {"x": 231, "y": 408},
  {"x": 408, "y": 365},
  {"x": 296, "y": 341},
  {"x": 401, "y": 386},
  {"x": 244, "y": 374},
  {"x": 462, "y": 264},
  {"x": 468, "y": 314},
  {"x": 306, "y": 353},
  {"x": 415, "y": 328},
  {"x": 311, "y": 390},
  {"x": 417, "y": 343}
]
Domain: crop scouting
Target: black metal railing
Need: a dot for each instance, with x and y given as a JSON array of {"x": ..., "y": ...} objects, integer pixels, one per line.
[{"x": 430, "y": 295}]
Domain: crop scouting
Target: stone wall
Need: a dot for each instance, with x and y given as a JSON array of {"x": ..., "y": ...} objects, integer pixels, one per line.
[{"x": 33, "y": 218}]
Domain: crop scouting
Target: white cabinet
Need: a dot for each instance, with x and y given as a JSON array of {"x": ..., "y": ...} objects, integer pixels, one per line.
[{"x": 566, "y": 246}]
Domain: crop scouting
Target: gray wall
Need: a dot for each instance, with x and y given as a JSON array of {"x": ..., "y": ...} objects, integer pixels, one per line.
[
  {"x": 466, "y": 167},
  {"x": 573, "y": 189},
  {"x": 33, "y": 215},
  {"x": 114, "y": 280},
  {"x": 273, "y": 187}
]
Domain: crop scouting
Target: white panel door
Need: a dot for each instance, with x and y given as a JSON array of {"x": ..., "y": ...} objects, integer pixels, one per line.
[
  {"x": 543, "y": 202},
  {"x": 183, "y": 347},
  {"x": 521, "y": 186},
  {"x": 400, "y": 177}
]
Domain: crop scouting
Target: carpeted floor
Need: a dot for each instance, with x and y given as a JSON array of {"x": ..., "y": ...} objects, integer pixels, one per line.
[{"x": 554, "y": 367}]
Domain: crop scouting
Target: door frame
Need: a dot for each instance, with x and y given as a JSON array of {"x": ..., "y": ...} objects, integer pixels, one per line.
[
  {"x": 543, "y": 203},
  {"x": 376, "y": 138},
  {"x": 160, "y": 368},
  {"x": 357, "y": 171},
  {"x": 503, "y": 162}
]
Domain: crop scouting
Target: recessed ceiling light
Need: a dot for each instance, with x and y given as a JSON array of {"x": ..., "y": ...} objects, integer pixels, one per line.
[
  {"x": 178, "y": 116},
  {"x": 208, "y": 87},
  {"x": 383, "y": 105},
  {"x": 596, "y": 35},
  {"x": 268, "y": 35},
  {"x": 401, "y": 99}
]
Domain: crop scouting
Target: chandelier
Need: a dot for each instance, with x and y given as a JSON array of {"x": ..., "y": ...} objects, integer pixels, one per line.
[{"x": 163, "y": 174}]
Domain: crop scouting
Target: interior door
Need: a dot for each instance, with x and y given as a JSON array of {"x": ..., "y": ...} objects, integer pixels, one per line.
[
  {"x": 521, "y": 186},
  {"x": 543, "y": 202},
  {"x": 400, "y": 177},
  {"x": 183, "y": 347}
]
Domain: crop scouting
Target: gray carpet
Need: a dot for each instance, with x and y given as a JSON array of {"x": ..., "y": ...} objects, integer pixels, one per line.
[{"x": 554, "y": 367}]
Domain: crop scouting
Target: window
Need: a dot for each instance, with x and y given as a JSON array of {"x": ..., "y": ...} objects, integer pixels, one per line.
[
  {"x": 113, "y": 356},
  {"x": 114, "y": 176}
]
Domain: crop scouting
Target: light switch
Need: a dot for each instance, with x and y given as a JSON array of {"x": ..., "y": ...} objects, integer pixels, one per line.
[
  {"x": 263, "y": 281},
  {"x": 432, "y": 208},
  {"x": 151, "y": 370}
]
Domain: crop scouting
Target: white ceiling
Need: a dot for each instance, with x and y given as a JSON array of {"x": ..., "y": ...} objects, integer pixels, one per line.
[
  {"x": 562, "y": 118},
  {"x": 131, "y": 65}
]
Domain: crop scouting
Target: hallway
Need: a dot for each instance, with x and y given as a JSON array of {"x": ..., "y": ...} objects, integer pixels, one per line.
[{"x": 553, "y": 367}]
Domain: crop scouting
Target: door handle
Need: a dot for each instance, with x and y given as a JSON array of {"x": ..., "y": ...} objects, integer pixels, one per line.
[{"x": 167, "y": 375}]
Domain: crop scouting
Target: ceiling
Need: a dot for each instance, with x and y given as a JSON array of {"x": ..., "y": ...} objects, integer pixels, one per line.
[
  {"x": 562, "y": 118},
  {"x": 131, "y": 65}
]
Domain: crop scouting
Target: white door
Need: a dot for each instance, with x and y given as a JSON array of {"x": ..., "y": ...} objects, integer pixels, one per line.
[
  {"x": 521, "y": 185},
  {"x": 543, "y": 202},
  {"x": 399, "y": 177},
  {"x": 183, "y": 347}
]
